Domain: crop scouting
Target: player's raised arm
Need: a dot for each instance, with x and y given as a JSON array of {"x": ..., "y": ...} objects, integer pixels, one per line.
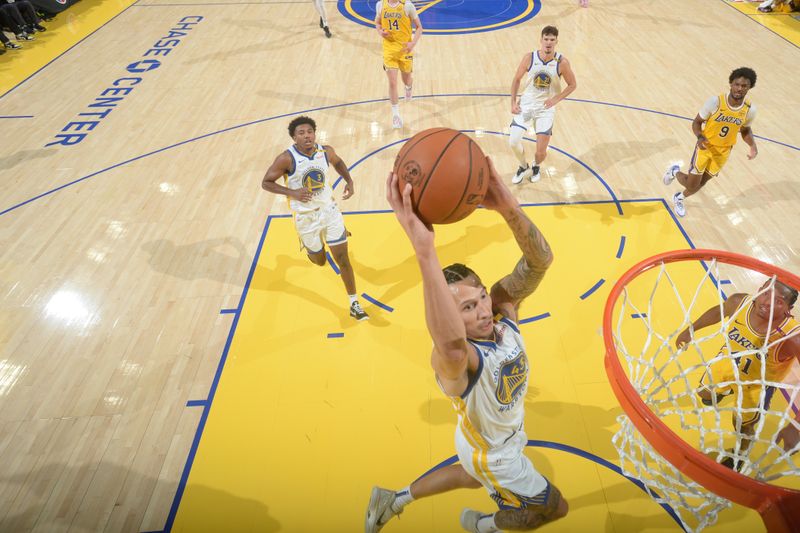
[
  {"x": 280, "y": 167},
  {"x": 711, "y": 317},
  {"x": 446, "y": 327},
  {"x": 536, "y": 253}
]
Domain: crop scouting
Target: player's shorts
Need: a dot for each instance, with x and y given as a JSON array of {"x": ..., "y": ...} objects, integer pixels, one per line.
[
  {"x": 325, "y": 223},
  {"x": 709, "y": 160},
  {"x": 721, "y": 377},
  {"x": 395, "y": 57},
  {"x": 536, "y": 117},
  {"x": 508, "y": 475}
]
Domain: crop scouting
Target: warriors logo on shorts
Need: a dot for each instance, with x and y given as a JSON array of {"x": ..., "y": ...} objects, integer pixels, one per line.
[
  {"x": 512, "y": 378},
  {"x": 314, "y": 180}
]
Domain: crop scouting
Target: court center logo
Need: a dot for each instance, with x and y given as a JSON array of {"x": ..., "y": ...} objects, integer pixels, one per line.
[
  {"x": 314, "y": 180},
  {"x": 449, "y": 17},
  {"x": 511, "y": 379}
]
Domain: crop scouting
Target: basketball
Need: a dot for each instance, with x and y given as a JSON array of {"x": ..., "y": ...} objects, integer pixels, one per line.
[{"x": 448, "y": 174}]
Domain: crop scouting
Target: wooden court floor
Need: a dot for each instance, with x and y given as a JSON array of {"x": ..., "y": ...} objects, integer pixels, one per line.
[{"x": 137, "y": 260}]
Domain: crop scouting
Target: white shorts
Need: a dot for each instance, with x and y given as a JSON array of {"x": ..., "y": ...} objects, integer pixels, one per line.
[
  {"x": 324, "y": 223},
  {"x": 508, "y": 475},
  {"x": 535, "y": 116}
]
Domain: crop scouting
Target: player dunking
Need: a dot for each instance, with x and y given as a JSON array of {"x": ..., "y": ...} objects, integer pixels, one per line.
[
  {"x": 536, "y": 106},
  {"x": 316, "y": 216},
  {"x": 480, "y": 362},
  {"x": 393, "y": 20},
  {"x": 716, "y": 125},
  {"x": 751, "y": 317}
]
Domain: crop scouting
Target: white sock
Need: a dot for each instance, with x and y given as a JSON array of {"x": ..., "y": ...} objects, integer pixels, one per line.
[
  {"x": 486, "y": 524},
  {"x": 396, "y": 110},
  {"x": 353, "y": 298},
  {"x": 320, "y": 5},
  {"x": 402, "y": 498}
]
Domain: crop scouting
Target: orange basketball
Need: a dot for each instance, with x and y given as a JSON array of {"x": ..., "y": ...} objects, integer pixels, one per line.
[{"x": 448, "y": 174}]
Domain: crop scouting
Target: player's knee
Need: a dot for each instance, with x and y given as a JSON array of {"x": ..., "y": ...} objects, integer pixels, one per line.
[{"x": 318, "y": 258}]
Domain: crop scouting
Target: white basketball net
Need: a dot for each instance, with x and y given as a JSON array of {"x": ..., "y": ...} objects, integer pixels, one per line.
[{"x": 653, "y": 311}]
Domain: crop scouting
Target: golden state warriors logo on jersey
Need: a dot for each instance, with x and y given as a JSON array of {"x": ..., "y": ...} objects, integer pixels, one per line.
[
  {"x": 314, "y": 180},
  {"x": 511, "y": 379},
  {"x": 542, "y": 81}
]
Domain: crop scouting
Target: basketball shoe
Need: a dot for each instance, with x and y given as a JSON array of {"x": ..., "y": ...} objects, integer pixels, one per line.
[
  {"x": 379, "y": 510},
  {"x": 397, "y": 122},
  {"x": 677, "y": 201},
  {"x": 522, "y": 173},
  {"x": 408, "y": 93},
  {"x": 469, "y": 520},
  {"x": 669, "y": 175},
  {"x": 358, "y": 313},
  {"x": 536, "y": 176}
]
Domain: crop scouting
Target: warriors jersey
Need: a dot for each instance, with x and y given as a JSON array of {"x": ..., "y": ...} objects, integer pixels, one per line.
[
  {"x": 396, "y": 20},
  {"x": 491, "y": 410},
  {"x": 544, "y": 80},
  {"x": 743, "y": 337},
  {"x": 722, "y": 122},
  {"x": 309, "y": 172}
]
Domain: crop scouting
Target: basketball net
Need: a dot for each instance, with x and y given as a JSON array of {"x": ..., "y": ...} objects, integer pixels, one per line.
[{"x": 657, "y": 384}]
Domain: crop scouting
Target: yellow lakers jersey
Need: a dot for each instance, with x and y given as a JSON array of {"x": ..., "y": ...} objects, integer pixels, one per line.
[
  {"x": 743, "y": 337},
  {"x": 722, "y": 127},
  {"x": 396, "y": 21}
]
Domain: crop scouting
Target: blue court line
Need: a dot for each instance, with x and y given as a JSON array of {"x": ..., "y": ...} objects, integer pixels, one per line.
[
  {"x": 332, "y": 263},
  {"x": 621, "y": 246},
  {"x": 534, "y": 318},
  {"x": 354, "y": 165},
  {"x": 594, "y": 288},
  {"x": 580, "y": 453},
  {"x": 196, "y": 403},
  {"x": 324, "y": 108},
  {"x": 335, "y": 335},
  {"x": 373, "y": 301},
  {"x": 228, "y": 311},
  {"x": 173, "y": 511},
  {"x": 765, "y": 27},
  {"x": 17, "y": 116},
  {"x": 64, "y": 52},
  {"x": 639, "y": 315},
  {"x": 725, "y": 282}
]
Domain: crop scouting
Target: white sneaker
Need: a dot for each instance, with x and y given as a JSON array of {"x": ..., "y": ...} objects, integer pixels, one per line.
[
  {"x": 536, "y": 176},
  {"x": 677, "y": 201},
  {"x": 522, "y": 173},
  {"x": 408, "y": 94},
  {"x": 379, "y": 510},
  {"x": 669, "y": 175},
  {"x": 397, "y": 122},
  {"x": 469, "y": 520}
]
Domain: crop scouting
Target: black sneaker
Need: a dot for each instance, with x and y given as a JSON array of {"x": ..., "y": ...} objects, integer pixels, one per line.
[
  {"x": 522, "y": 173},
  {"x": 24, "y": 37},
  {"x": 39, "y": 27},
  {"x": 535, "y": 176},
  {"x": 358, "y": 313},
  {"x": 321, "y": 25},
  {"x": 327, "y": 32},
  {"x": 12, "y": 46}
]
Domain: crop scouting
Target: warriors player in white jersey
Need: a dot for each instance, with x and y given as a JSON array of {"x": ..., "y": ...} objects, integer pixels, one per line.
[
  {"x": 535, "y": 109},
  {"x": 317, "y": 218},
  {"x": 480, "y": 362}
]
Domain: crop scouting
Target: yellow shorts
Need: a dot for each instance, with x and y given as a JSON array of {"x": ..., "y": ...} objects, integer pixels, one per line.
[
  {"x": 719, "y": 380},
  {"x": 395, "y": 57},
  {"x": 710, "y": 160}
]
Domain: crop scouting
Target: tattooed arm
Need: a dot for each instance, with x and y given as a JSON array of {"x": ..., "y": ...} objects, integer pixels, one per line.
[{"x": 536, "y": 254}]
